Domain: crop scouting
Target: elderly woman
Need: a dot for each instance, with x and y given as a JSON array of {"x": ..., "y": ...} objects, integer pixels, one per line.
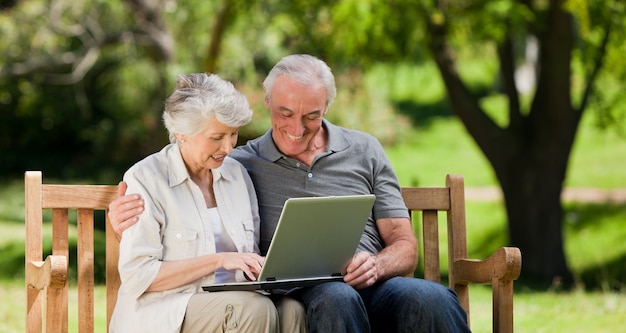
[{"x": 200, "y": 224}]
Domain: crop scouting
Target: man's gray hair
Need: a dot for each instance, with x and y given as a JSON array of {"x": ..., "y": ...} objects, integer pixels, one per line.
[
  {"x": 200, "y": 97},
  {"x": 304, "y": 69}
]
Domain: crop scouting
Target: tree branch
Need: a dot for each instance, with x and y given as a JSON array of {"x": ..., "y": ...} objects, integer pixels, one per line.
[
  {"x": 480, "y": 126},
  {"x": 507, "y": 72},
  {"x": 70, "y": 67},
  {"x": 217, "y": 32},
  {"x": 598, "y": 62},
  {"x": 149, "y": 19}
]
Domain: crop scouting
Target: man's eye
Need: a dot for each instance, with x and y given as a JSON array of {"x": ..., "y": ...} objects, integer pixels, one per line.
[{"x": 286, "y": 115}]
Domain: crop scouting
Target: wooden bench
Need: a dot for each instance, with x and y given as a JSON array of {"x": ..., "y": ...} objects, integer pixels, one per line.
[
  {"x": 500, "y": 269},
  {"x": 47, "y": 280}
]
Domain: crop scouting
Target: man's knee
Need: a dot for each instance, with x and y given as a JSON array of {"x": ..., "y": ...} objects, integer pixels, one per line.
[{"x": 333, "y": 296}]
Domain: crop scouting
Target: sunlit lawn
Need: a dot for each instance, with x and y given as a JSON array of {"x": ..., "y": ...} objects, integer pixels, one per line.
[{"x": 554, "y": 312}]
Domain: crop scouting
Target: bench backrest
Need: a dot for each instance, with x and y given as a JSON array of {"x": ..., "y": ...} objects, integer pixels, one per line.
[
  {"x": 429, "y": 202},
  {"x": 47, "y": 282}
]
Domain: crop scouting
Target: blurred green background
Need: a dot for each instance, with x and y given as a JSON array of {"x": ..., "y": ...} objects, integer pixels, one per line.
[{"x": 82, "y": 85}]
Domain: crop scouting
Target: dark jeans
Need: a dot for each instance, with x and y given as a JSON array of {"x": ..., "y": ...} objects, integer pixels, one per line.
[{"x": 396, "y": 305}]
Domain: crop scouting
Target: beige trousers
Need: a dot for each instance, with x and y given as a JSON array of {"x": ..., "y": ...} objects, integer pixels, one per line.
[
  {"x": 291, "y": 313},
  {"x": 243, "y": 311}
]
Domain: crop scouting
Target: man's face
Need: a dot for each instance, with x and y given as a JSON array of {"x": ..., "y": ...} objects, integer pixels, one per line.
[{"x": 296, "y": 114}]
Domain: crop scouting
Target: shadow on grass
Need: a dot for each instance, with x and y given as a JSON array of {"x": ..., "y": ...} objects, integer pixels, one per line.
[
  {"x": 594, "y": 230},
  {"x": 422, "y": 114},
  {"x": 607, "y": 276},
  {"x": 13, "y": 259}
]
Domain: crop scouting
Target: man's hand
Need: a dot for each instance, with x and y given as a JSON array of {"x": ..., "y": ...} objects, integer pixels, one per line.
[
  {"x": 362, "y": 271},
  {"x": 125, "y": 210},
  {"x": 398, "y": 258}
]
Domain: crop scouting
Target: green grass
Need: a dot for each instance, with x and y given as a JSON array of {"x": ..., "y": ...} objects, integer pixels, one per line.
[
  {"x": 552, "y": 312},
  {"x": 425, "y": 159},
  {"x": 13, "y": 307}
]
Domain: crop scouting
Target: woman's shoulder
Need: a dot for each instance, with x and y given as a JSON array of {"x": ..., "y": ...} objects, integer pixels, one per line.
[{"x": 232, "y": 164}]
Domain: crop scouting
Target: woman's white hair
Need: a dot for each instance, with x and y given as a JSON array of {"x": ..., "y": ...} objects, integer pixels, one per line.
[{"x": 200, "y": 97}]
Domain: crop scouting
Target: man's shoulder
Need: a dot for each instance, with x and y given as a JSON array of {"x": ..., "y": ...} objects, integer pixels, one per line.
[
  {"x": 350, "y": 133},
  {"x": 251, "y": 148},
  {"x": 347, "y": 138},
  {"x": 261, "y": 147}
]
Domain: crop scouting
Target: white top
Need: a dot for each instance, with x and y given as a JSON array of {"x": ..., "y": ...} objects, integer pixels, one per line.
[{"x": 223, "y": 243}]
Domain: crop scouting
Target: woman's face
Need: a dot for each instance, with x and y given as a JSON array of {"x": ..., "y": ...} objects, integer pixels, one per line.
[{"x": 208, "y": 149}]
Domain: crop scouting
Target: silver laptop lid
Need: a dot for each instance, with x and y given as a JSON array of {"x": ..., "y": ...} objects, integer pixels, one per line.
[{"x": 316, "y": 236}]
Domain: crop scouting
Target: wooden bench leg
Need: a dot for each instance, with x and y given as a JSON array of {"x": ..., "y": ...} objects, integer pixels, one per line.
[{"x": 502, "y": 306}]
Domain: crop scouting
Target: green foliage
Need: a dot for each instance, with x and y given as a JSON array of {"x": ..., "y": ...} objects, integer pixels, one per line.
[
  {"x": 59, "y": 118},
  {"x": 97, "y": 124}
]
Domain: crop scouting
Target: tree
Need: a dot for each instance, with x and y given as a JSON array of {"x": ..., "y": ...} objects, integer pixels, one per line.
[{"x": 530, "y": 153}]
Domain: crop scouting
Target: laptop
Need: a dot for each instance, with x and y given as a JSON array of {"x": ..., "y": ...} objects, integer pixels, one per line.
[{"x": 315, "y": 239}]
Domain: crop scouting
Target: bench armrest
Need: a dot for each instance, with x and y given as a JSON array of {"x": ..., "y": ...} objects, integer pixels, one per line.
[
  {"x": 51, "y": 273},
  {"x": 504, "y": 264}
]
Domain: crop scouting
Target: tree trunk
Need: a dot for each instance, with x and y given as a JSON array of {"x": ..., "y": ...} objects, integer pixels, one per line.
[
  {"x": 532, "y": 181},
  {"x": 530, "y": 155}
]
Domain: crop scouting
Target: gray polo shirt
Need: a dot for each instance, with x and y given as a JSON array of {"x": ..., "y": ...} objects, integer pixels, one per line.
[{"x": 354, "y": 163}]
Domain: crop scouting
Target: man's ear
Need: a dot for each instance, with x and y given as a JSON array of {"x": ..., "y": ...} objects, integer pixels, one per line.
[{"x": 267, "y": 102}]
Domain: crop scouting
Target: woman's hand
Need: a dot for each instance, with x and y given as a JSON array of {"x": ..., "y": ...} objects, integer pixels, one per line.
[{"x": 249, "y": 263}]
